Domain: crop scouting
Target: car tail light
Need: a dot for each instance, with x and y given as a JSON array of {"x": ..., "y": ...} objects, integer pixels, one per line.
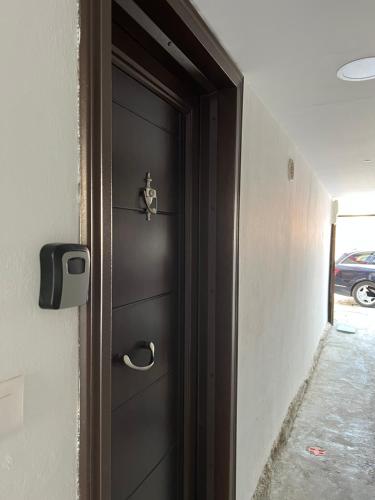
[{"x": 337, "y": 271}]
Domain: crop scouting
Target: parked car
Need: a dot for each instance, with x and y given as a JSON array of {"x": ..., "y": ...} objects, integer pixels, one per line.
[{"x": 355, "y": 277}]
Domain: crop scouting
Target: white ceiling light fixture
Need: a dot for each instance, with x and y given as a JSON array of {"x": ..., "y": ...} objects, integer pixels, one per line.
[{"x": 359, "y": 70}]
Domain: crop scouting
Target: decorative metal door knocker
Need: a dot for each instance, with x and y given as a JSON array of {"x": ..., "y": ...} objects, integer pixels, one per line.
[{"x": 150, "y": 196}]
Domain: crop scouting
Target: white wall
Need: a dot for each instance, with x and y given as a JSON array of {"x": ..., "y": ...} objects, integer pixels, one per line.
[
  {"x": 38, "y": 204},
  {"x": 284, "y": 248}
]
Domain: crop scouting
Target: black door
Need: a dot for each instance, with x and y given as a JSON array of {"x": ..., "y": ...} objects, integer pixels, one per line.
[{"x": 146, "y": 294}]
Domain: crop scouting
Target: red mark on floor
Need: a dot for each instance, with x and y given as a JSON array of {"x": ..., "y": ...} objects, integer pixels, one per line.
[{"x": 316, "y": 451}]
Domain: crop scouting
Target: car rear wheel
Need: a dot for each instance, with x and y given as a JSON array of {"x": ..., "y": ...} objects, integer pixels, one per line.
[{"x": 364, "y": 294}]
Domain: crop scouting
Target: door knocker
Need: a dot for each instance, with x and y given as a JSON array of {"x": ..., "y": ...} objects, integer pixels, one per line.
[{"x": 150, "y": 196}]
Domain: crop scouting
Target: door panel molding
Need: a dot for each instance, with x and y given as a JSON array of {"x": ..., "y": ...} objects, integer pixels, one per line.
[{"x": 218, "y": 81}]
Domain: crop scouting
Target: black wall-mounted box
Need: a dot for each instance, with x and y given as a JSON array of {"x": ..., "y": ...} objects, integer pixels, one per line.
[{"x": 64, "y": 275}]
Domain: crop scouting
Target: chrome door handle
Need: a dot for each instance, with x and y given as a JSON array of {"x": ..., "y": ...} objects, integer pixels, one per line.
[
  {"x": 129, "y": 363},
  {"x": 150, "y": 196}
]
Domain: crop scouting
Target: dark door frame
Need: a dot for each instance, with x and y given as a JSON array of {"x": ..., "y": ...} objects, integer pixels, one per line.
[
  {"x": 220, "y": 136},
  {"x": 331, "y": 281}
]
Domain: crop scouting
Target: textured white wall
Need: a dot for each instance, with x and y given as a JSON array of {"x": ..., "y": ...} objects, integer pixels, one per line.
[
  {"x": 38, "y": 204},
  {"x": 284, "y": 248}
]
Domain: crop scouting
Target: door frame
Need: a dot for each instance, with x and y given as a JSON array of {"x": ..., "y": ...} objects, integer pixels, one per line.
[
  {"x": 331, "y": 280},
  {"x": 221, "y": 148}
]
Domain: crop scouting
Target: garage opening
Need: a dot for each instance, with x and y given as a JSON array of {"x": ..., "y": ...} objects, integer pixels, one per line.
[{"x": 354, "y": 271}]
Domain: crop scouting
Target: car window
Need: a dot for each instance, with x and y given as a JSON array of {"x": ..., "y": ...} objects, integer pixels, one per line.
[{"x": 360, "y": 258}]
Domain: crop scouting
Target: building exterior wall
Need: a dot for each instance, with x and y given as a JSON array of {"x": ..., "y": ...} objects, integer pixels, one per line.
[
  {"x": 284, "y": 262},
  {"x": 39, "y": 203}
]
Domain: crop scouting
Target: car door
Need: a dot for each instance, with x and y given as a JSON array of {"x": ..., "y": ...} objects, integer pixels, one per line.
[{"x": 354, "y": 268}]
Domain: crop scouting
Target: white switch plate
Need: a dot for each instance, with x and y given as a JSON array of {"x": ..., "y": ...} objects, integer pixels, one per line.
[{"x": 11, "y": 404}]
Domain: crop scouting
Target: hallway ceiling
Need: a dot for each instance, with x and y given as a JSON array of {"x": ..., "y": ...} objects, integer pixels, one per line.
[{"x": 290, "y": 51}]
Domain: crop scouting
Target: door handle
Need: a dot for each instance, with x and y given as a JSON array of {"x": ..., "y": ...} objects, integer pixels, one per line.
[
  {"x": 130, "y": 364},
  {"x": 150, "y": 196}
]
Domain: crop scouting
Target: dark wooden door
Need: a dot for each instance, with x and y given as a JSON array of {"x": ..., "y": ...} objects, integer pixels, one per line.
[{"x": 146, "y": 422}]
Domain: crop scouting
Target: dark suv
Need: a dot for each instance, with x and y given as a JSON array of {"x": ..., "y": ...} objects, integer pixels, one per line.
[{"x": 355, "y": 277}]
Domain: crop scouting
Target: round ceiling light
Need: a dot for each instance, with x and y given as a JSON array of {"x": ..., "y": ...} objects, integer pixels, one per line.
[{"x": 358, "y": 70}]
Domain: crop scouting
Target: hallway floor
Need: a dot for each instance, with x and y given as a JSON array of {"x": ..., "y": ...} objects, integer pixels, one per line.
[{"x": 337, "y": 415}]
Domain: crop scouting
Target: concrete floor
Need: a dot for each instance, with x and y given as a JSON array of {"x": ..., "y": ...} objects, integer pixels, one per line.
[{"x": 338, "y": 415}]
